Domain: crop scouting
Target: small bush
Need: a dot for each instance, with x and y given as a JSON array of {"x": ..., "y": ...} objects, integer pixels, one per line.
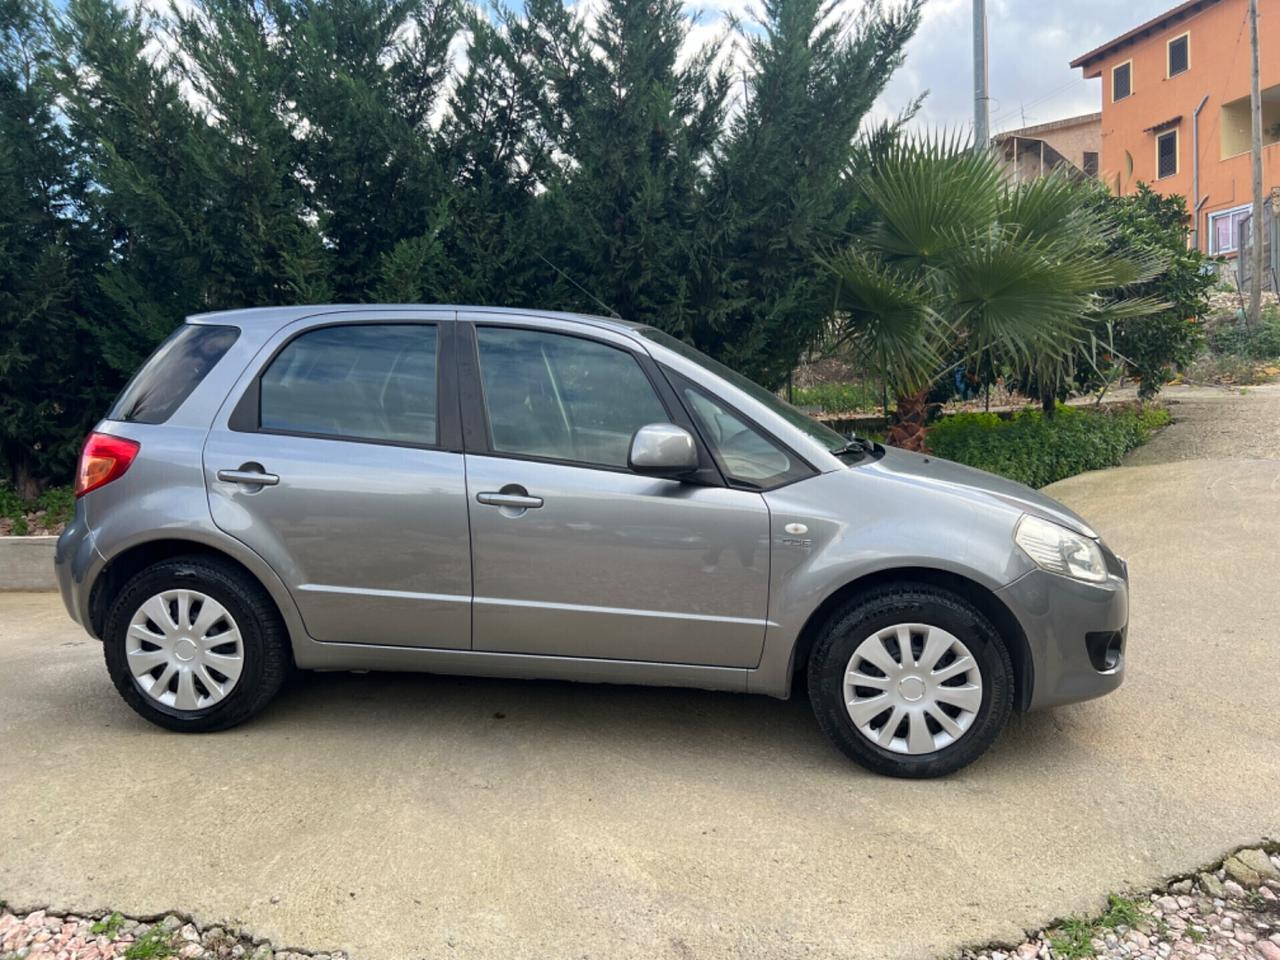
[
  {"x": 1258, "y": 341},
  {"x": 108, "y": 926},
  {"x": 1228, "y": 368},
  {"x": 1037, "y": 450},
  {"x": 839, "y": 397},
  {"x": 58, "y": 504},
  {"x": 155, "y": 944}
]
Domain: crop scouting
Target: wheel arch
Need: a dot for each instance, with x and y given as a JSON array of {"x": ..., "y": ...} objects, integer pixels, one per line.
[
  {"x": 990, "y": 605},
  {"x": 122, "y": 566}
]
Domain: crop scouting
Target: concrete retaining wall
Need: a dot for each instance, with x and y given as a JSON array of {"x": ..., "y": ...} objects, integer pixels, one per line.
[{"x": 26, "y": 563}]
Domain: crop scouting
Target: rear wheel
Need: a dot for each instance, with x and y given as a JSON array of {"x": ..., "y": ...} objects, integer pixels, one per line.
[
  {"x": 195, "y": 645},
  {"x": 911, "y": 680}
]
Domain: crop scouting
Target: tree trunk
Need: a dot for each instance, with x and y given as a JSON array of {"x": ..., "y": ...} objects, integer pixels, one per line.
[
  {"x": 907, "y": 430},
  {"x": 1048, "y": 403},
  {"x": 22, "y": 470}
]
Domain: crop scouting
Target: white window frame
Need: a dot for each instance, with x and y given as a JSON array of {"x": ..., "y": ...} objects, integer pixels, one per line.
[
  {"x": 1177, "y": 153},
  {"x": 1227, "y": 214},
  {"x": 1129, "y": 64},
  {"x": 1168, "y": 56}
]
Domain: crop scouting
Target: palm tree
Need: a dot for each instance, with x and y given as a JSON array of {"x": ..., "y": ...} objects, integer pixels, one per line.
[{"x": 957, "y": 256}]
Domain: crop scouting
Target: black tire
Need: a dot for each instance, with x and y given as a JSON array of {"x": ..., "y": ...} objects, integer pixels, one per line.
[
  {"x": 913, "y": 603},
  {"x": 265, "y": 641}
]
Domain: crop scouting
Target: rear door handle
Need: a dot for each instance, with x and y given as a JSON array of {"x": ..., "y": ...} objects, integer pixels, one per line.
[
  {"x": 248, "y": 477},
  {"x": 519, "y": 501}
]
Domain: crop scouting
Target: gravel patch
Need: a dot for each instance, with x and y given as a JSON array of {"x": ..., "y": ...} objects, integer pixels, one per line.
[
  {"x": 1228, "y": 913},
  {"x": 56, "y": 936},
  {"x": 1216, "y": 423}
]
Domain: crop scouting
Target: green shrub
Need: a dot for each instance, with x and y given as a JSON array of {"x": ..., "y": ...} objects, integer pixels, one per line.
[
  {"x": 1037, "y": 450},
  {"x": 1226, "y": 368},
  {"x": 59, "y": 503},
  {"x": 1260, "y": 341},
  {"x": 839, "y": 397}
]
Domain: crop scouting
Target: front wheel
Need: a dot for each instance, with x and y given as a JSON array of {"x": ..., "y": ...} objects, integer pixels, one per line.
[
  {"x": 195, "y": 645},
  {"x": 910, "y": 680}
]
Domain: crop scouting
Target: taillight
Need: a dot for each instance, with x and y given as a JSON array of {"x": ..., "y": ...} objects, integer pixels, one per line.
[{"x": 103, "y": 458}]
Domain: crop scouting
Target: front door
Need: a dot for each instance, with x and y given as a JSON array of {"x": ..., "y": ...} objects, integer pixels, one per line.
[
  {"x": 573, "y": 554},
  {"x": 335, "y": 467}
]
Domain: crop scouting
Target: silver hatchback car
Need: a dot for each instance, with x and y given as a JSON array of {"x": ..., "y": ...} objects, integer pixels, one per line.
[{"x": 527, "y": 494}]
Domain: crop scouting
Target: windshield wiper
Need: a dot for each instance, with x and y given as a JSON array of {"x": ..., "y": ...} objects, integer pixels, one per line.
[{"x": 856, "y": 445}]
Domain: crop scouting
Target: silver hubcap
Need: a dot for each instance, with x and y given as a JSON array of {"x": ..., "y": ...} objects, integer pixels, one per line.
[
  {"x": 912, "y": 688},
  {"x": 184, "y": 650}
]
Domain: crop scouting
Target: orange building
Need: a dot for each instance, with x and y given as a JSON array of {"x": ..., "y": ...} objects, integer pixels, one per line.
[{"x": 1175, "y": 111}]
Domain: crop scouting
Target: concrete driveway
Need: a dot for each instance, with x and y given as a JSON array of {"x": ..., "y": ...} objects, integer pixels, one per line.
[{"x": 416, "y": 816}]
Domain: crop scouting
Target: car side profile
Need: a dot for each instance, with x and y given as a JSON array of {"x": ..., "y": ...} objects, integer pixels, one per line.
[{"x": 517, "y": 493}]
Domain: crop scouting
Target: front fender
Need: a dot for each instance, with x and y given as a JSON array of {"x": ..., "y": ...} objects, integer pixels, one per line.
[{"x": 857, "y": 525}]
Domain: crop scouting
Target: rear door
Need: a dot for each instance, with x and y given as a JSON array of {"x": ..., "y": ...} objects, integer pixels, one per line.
[
  {"x": 590, "y": 559},
  {"x": 337, "y": 459}
]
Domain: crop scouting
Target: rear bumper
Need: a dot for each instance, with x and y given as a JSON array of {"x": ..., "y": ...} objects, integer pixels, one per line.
[
  {"x": 76, "y": 562},
  {"x": 1076, "y": 633}
]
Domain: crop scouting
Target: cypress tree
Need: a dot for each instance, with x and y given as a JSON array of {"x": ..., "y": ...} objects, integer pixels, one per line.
[
  {"x": 365, "y": 78},
  {"x": 51, "y": 380},
  {"x": 633, "y": 129},
  {"x": 152, "y": 163},
  {"x": 780, "y": 195}
]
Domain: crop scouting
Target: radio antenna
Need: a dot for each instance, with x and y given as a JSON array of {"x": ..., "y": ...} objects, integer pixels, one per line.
[{"x": 608, "y": 309}]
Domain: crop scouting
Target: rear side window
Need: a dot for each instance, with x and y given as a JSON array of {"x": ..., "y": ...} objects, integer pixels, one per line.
[
  {"x": 360, "y": 382},
  {"x": 172, "y": 372}
]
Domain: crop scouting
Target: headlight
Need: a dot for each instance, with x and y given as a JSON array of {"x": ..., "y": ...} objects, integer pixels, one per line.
[{"x": 1061, "y": 551}]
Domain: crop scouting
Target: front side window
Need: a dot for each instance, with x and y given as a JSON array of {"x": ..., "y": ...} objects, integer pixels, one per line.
[
  {"x": 1225, "y": 229},
  {"x": 560, "y": 397},
  {"x": 172, "y": 372},
  {"x": 810, "y": 427},
  {"x": 746, "y": 456},
  {"x": 1122, "y": 81},
  {"x": 359, "y": 382}
]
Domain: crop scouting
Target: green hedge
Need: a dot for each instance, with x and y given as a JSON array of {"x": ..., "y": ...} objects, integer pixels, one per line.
[{"x": 1038, "y": 450}]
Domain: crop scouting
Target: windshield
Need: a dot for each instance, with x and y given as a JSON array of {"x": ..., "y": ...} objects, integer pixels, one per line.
[{"x": 823, "y": 434}]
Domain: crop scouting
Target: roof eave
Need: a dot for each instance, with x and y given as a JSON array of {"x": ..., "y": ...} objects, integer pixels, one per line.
[{"x": 1180, "y": 12}]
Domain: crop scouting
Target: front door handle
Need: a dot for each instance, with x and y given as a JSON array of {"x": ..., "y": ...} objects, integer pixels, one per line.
[
  {"x": 249, "y": 477},
  {"x": 519, "y": 501}
]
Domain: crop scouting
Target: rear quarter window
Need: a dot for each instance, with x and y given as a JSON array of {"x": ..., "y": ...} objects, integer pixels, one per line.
[{"x": 172, "y": 372}]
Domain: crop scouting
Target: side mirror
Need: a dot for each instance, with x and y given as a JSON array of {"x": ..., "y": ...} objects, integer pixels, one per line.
[{"x": 663, "y": 450}]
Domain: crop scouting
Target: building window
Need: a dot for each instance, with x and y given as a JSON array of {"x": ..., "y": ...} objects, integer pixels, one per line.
[
  {"x": 1225, "y": 227},
  {"x": 1090, "y": 163},
  {"x": 1179, "y": 54},
  {"x": 1122, "y": 80},
  {"x": 1166, "y": 154}
]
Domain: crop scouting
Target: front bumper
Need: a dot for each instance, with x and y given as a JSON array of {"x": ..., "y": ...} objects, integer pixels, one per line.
[{"x": 1076, "y": 633}]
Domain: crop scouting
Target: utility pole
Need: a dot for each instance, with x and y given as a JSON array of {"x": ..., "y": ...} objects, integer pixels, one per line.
[
  {"x": 981, "y": 98},
  {"x": 1255, "y": 222}
]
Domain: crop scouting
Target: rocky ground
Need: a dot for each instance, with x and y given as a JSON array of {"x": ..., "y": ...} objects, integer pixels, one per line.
[
  {"x": 46, "y": 934},
  {"x": 1228, "y": 913},
  {"x": 1231, "y": 913}
]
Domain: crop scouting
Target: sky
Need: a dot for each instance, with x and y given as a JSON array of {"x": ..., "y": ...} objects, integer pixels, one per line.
[{"x": 1030, "y": 43}]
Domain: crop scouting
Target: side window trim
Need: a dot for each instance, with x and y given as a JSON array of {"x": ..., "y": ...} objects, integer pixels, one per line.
[
  {"x": 246, "y": 415},
  {"x": 474, "y": 415},
  {"x": 804, "y": 470}
]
